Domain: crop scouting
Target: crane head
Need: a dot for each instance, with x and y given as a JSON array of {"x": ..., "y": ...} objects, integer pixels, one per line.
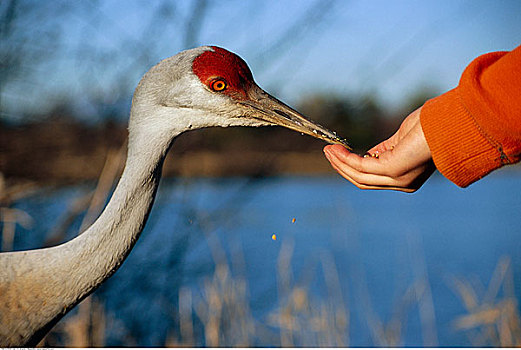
[{"x": 210, "y": 86}]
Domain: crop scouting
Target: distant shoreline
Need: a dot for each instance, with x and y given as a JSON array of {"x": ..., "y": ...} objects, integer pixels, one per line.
[
  {"x": 66, "y": 153},
  {"x": 201, "y": 164},
  {"x": 70, "y": 169}
]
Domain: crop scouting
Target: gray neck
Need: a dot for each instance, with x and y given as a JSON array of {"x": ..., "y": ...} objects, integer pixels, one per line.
[
  {"x": 101, "y": 249},
  {"x": 43, "y": 285}
]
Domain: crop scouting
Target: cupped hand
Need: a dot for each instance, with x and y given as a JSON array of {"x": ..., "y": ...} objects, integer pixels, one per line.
[{"x": 403, "y": 162}]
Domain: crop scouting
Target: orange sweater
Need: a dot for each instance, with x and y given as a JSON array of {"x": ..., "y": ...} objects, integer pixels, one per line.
[{"x": 476, "y": 127}]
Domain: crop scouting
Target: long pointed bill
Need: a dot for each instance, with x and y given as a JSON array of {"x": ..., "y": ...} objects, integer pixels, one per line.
[{"x": 267, "y": 108}]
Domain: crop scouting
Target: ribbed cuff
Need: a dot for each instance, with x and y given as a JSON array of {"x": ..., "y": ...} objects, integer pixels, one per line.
[{"x": 460, "y": 150}]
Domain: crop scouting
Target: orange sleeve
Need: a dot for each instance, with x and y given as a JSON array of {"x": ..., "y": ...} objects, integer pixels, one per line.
[{"x": 476, "y": 127}]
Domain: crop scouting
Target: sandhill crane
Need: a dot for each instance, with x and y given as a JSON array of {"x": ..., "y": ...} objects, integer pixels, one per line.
[{"x": 197, "y": 88}]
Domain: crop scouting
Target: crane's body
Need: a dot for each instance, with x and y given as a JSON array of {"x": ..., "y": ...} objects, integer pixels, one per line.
[{"x": 201, "y": 87}]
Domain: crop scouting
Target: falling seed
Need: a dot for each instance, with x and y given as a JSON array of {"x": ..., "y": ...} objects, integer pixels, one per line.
[
  {"x": 293, "y": 220},
  {"x": 274, "y": 237}
]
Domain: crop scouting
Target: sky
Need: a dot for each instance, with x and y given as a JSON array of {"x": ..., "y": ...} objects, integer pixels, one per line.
[{"x": 391, "y": 49}]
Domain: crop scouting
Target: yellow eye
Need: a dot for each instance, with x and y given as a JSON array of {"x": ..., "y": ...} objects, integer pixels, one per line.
[{"x": 218, "y": 85}]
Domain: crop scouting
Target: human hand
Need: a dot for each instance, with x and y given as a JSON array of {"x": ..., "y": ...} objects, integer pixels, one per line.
[{"x": 403, "y": 162}]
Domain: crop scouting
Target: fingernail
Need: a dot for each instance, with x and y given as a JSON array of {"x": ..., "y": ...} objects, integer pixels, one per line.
[{"x": 326, "y": 153}]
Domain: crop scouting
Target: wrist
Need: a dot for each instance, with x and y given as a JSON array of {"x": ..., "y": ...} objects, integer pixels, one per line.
[{"x": 459, "y": 149}]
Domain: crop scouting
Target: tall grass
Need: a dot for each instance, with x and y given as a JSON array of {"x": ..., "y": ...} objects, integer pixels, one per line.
[
  {"x": 10, "y": 217},
  {"x": 303, "y": 320},
  {"x": 218, "y": 312},
  {"x": 492, "y": 317}
]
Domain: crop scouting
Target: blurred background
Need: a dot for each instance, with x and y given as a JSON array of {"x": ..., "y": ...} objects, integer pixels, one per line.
[{"x": 441, "y": 267}]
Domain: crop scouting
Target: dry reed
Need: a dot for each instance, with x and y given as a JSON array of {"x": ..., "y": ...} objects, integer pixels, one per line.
[
  {"x": 11, "y": 217},
  {"x": 86, "y": 326},
  {"x": 221, "y": 304},
  {"x": 306, "y": 321},
  {"x": 492, "y": 317}
]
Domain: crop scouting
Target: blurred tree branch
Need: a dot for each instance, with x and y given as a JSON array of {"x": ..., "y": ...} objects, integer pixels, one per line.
[{"x": 86, "y": 58}]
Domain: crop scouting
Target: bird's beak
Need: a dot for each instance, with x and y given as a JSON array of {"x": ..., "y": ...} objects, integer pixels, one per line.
[{"x": 262, "y": 106}]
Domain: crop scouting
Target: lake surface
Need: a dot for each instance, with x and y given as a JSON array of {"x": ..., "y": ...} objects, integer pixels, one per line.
[{"x": 371, "y": 259}]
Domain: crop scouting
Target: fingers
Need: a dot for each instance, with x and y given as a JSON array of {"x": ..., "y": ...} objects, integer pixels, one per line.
[
  {"x": 411, "y": 123},
  {"x": 363, "y": 182},
  {"x": 403, "y": 162},
  {"x": 382, "y": 147},
  {"x": 378, "y": 164},
  {"x": 371, "y": 172}
]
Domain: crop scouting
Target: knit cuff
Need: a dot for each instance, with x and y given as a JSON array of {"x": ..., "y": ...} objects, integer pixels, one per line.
[{"x": 460, "y": 150}]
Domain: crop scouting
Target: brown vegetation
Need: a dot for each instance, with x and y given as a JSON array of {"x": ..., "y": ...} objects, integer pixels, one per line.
[
  {"x": 66, "y": 152},
  {"x": 61, "y": 149},
  {"x": 222, "y": 307}
]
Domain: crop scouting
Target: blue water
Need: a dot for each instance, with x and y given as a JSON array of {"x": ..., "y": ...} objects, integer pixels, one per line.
[{"x": 380, "y": 243}]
